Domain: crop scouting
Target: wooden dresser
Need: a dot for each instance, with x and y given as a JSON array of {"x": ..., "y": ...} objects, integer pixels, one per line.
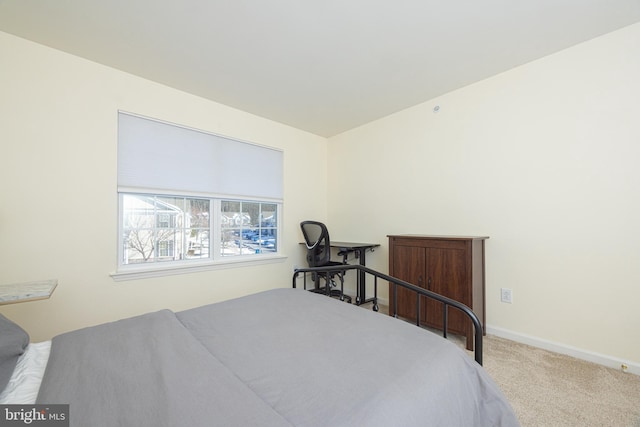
[{"x": 452, "y": 266}]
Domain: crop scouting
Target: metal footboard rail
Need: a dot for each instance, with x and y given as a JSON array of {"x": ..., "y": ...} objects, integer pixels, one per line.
[{"x": 364, "y": 271}]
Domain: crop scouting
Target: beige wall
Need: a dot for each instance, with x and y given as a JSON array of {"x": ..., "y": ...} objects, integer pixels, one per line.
[
  {"x": 541, "y": 158},
  {"x": 544, "y": 160},
  {"x": 58, "y": 209}
]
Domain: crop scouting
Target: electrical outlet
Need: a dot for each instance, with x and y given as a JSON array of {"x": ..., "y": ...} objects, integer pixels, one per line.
[{"x": 505, "y": 295}]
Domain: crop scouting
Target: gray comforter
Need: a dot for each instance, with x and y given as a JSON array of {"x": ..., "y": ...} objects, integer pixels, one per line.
[{"x": 278, "y": 358}]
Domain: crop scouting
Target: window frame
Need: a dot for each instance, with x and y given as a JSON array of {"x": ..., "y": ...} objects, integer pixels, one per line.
[
  {"x": 215, "y": 260},
  {"x": 150, "y": 148}
]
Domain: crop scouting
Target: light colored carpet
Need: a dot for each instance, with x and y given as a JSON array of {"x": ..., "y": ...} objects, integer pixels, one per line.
[{"x": 548, "y": 389}]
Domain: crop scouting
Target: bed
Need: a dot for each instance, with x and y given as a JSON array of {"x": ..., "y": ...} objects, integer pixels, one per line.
[{"x": 283, "y": 357}]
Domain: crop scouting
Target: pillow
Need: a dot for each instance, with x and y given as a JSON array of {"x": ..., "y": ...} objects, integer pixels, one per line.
[{"x": 13, "y": 341}]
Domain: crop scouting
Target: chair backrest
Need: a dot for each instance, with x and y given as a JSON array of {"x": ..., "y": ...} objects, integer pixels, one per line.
[{"x": 316, "y": 237}]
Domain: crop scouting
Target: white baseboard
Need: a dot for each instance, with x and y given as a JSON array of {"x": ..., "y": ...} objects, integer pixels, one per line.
[
  {"x": 578, "y": 353},
  {"x": 601, "y": 359}
]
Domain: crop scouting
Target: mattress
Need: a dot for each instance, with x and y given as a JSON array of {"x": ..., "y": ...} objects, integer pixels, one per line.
[{"x": 280, "y": 357}]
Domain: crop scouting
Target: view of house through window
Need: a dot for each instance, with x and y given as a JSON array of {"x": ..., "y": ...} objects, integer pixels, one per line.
[
  {"x": 165, "y": 228},
  {"x": 160, "y": 228}
]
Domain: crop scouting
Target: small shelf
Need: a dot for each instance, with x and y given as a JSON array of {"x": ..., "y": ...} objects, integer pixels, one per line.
[{"x": 29, "y": 291}]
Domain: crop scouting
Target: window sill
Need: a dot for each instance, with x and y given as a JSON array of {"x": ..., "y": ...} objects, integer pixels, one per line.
[{"x": 144, "y": 272}]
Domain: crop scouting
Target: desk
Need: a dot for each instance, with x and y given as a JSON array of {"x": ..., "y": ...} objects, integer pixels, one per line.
[{"x": 360, "y": 250}]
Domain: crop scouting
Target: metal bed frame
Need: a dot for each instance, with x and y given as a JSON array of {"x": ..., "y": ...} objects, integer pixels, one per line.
[{"x": 395, "y": 282}]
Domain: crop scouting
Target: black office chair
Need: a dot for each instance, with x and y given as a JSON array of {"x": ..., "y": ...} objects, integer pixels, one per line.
[{"x": 316, "y": 236}]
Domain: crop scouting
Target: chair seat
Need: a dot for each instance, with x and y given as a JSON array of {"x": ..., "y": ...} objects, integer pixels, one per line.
[{"x": 331, "y": 263}]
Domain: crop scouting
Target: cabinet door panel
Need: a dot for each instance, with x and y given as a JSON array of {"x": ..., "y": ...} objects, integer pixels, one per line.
[
  {"x": 409, "y": 265},
  {"x": 447, "y": 275},
  {"x": 455, "y": 267}
]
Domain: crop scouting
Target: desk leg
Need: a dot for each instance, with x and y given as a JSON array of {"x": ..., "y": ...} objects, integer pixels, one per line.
[
  {"x": 362, "y": 289},
  {"x": 361, "y": 297}
]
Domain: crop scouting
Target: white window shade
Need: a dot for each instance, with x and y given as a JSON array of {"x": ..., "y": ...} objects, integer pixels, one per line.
[{"x": 163, "y": 157}]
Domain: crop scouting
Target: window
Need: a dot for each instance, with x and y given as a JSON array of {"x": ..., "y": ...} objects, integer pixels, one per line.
[
  {"x": 160, "y": 229},
  {"x": 248, "y": 228},
  {"x": 190, "y": 198}
]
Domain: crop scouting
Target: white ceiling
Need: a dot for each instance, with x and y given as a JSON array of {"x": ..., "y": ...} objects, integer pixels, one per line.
[{"x": 323, "y": 66}]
